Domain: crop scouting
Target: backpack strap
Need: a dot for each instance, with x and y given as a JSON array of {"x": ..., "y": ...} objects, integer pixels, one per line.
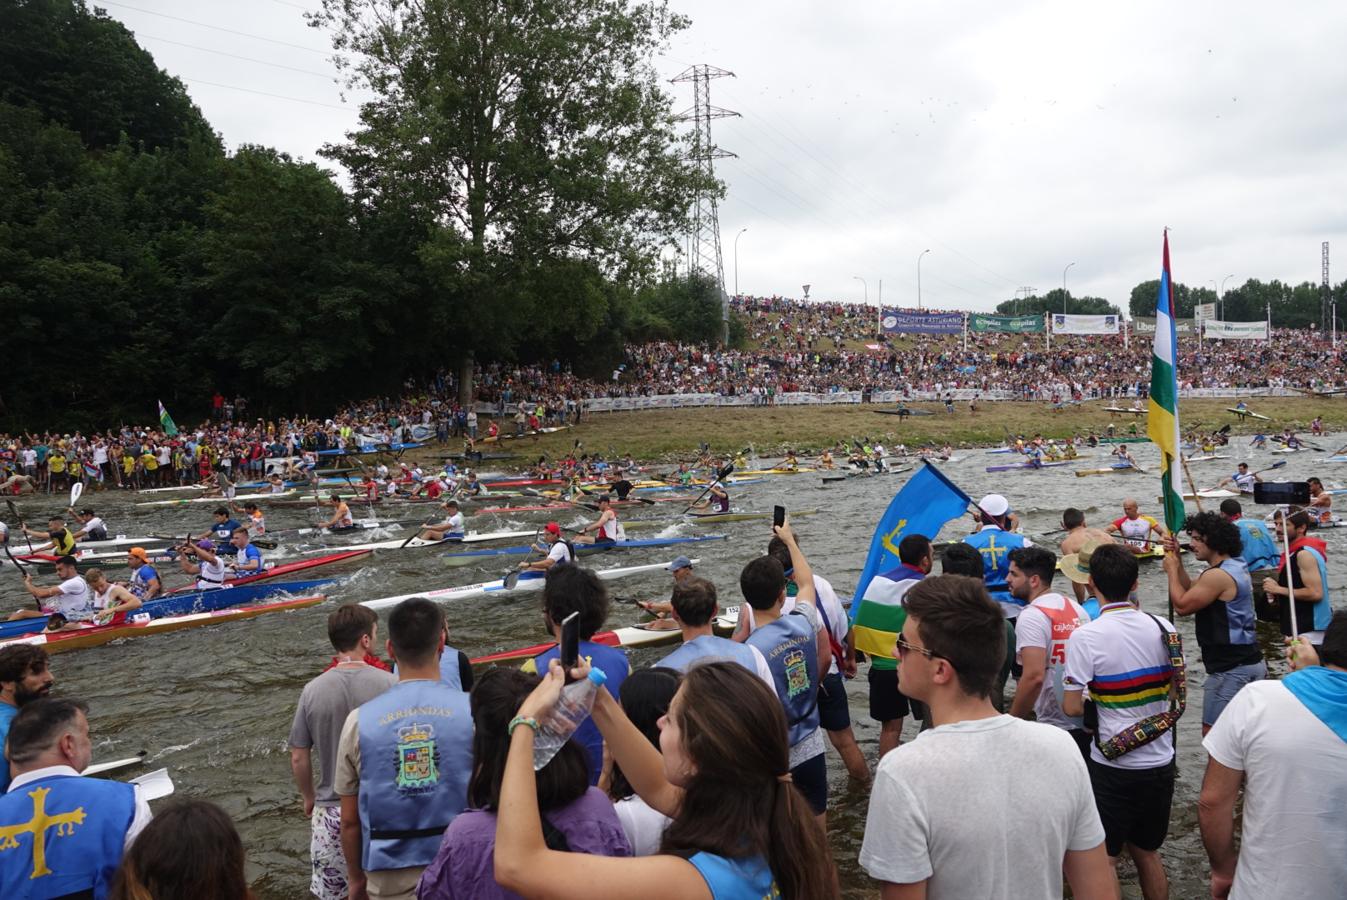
[{"x": 1153, "y": 727}]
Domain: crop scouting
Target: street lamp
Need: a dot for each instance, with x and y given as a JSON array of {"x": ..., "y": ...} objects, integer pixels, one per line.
[
  {"x": 864, "y": 285},
  {"x": 1068, "y": 266},
  {"x": 919, "y": 256},
  {"x": 1220, "y": 307},
  {"x": 736, "y": 259}
]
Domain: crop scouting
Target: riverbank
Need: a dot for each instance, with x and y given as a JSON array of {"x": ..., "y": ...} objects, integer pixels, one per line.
[{"x": 671, "y": 435}]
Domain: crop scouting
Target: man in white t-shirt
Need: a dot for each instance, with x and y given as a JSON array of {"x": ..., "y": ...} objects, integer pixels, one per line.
[
  {"x": 1286, "y": 742},
  {"x": 948, "y": 813},
  {"x": 1040, "y": 641},
  {"x": 559, "y": 552},
  {"x": 1126, "y": 660},
  {"x": 71, "y": 598}
]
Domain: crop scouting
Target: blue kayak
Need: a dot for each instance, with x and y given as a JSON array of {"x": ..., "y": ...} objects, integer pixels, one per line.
[
  {"x": 377, "y": 448},
  {"x": 189, "y": 602},
  {"x": 584, "y": 549}
]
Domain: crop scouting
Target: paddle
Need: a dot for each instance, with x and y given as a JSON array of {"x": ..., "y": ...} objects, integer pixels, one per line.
[
  {"x": 18, "y": 518},
  {"x": 154, "y": 785},
  {"x": 415, "y": 534},
  {"x": 530, "y": 492},
  {"x": 723, "y": 473},
  {"x": 512, "y": 577},
  {"x": 76, "y": 491},
  {"x": 114, "y": 764},
  {"x": 23, "y": 573},
  {"x": 1191, "y": 484}
]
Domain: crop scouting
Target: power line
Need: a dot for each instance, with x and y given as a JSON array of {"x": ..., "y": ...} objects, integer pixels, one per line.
[
  {"x": 256, "y": 37},
  {"x": 261, "y": 62},
  {"x": 232, "y": 87}
]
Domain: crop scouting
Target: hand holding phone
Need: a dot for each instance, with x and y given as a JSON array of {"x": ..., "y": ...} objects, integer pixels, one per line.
[{"x": 778, "y": 516}]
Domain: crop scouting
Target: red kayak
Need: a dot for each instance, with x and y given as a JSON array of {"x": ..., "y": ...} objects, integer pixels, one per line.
[{"x": 289, "y": 568}]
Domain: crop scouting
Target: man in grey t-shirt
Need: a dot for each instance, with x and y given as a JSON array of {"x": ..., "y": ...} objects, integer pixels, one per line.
[{"x": 354, "y": 678}]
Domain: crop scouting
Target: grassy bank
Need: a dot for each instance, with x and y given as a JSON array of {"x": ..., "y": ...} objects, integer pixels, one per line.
[{"x": 675, "y": 433}]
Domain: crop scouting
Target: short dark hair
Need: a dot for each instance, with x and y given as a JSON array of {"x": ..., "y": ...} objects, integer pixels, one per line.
[
  {"x": 1035, "y": 561},
  {"x": 1072, "y": 518},
  {"x": 67, "y": 560},
  {"x": 221, "y": 511},
  {"x": 958, "y": 621},
  {"x": 1333, "y": 651},
  {"x": 21, "y": 660},
  {"x": 694, "y": 599},
  {"x": 1313, "y": 480},
  {"x": 1113, "y": 569},
  {"x": 348, "y": 623},
  {"x": 568, "y": 589},
  {"x": 962, "y": 559},
  {"x": 762, "y": 581},
  {"x": 1231, "y": 507},
  {"x": 1298, "y": 517},
  {"x": 39, "y": 725},
  {"x": 415, "y": 627},
  {"x": 1216, "y": 531},
  {"x": 777, "y": 549},
  {"x": 913, "y": 549}
]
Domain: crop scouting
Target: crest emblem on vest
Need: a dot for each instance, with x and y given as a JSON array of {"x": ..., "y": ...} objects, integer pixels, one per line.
[
  {"x": 797, "y": 673},
  {"x": 37, "y": 827},
  {"x": 418, "y": 758}
]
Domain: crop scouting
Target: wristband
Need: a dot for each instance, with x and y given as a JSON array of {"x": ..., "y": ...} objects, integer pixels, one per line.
[{"x": 522, "y": 720}]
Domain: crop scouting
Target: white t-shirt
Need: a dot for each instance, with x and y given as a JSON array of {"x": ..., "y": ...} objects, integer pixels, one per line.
[
  {"x": 1294, "y": 841},
  {"x": 644, "y": 826},
  {"x": 75, "y": 601},
  {"x": 838, "y": 622},
  {"x": 1035, "y": 630},
  {"x": 1117, "y": 658},
  {"x": 985, "y": 808},
  {"x": 92, "y": 525},
  {"x": 559, "y": 553}
]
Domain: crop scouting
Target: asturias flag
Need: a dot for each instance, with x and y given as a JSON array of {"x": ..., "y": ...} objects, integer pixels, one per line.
[
  {"x": 923, "y": 506},
  {"x": 167, "y": 421},
  {"x": 1162, "y": 420}
]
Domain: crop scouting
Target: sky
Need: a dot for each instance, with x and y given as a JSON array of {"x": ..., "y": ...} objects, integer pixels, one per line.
[{"x": 1009, "y": 139}]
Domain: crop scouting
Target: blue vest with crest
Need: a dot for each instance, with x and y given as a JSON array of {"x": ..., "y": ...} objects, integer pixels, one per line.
[
  {"x": 709, "y": 646},
  {"x": 790, "y": 646},
  {"x": 995, "y": 546}
]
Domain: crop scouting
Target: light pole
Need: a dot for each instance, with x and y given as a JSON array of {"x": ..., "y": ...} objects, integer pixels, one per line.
[
  {"x": 1068, "y": 266},
  {"x": 736, "y": 259},
  {"x": 864, "y": 285},
  {"x": 1220, "y": 303},
  {"x": 919, "y": 256}
]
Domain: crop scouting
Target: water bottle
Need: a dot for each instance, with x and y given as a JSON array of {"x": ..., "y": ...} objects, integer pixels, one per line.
[{"x": 577, "y": 698}]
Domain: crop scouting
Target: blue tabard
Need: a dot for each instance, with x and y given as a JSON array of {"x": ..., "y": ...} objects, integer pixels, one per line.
[
  {"x": 81, "y": 825},
  {"x": 1260, "y": 551},
  {"x": 709, "y": 646},
  {"x": 415, "y": 760},
  {"x": 995, "y": 546},
  {"x": 790, "y": 646},
  {"x": 449, "y": 670},
  {"x": 736, "y": 879}
]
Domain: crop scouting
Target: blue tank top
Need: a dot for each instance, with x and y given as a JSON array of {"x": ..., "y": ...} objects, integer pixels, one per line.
[
  {"x": 614, "y": 664},
  {"x": 1260, "y": 550},
  {"x": 736, "y": 879},
  {"x": 790, "y": 646},
  {"x": 1226, "y": 628},
  {"x": 415, "y": 759},
  {"x": 84, "y": 828},
  {"x": 995, "y": 546},
  {"x": 709, "y": 646}
]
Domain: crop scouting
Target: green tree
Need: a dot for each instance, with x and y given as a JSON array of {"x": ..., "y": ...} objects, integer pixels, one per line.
[
  {"x": 1143, "y": 298},
  {"x": 1051, "y": 302},
  {"x": 532, "y": 133}
]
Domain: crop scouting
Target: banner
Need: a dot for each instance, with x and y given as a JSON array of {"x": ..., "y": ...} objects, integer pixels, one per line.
[
  {"x": 1064, "y": 324},
  {"x": 1031, "y": 324},
  {"x": 1235, "y": 331},
  {"x": 1146, "y": 325},
  {"x": 1204, "y": 311},
  {"x": 900, "y": 322}
]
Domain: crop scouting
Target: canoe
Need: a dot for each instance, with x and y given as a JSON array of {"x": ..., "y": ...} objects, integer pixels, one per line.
[
  {"x": 273, "y": 571},
  {"x": 400, "y": 543},
  {"x": 709, "y": 518},
  {"x": 1010, "y": 468},
  {"x": 194, "y": 602},
  {"x": 629, "y": 638},
  {"x": 1246, "y": 412},
  {"x": 182, "y": 501},
  {"x": 1112, "y": 470},
  {"x": 61, "y": 641},
  {"x": 584, "y": 549},
  {"x": 528, "y": 581}
]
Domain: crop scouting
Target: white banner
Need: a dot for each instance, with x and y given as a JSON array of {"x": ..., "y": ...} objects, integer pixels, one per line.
[
  {"x": 1235, "y": 331},
  {"x": 1204, "y": 311},
  {"x": 1064, "y": 324}
]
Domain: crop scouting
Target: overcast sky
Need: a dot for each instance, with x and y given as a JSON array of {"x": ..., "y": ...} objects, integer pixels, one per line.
[{"x": 1010, "y": 139}]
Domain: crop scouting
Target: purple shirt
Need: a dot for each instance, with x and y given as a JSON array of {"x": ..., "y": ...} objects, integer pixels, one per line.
[{"x": 464, "y": 867}]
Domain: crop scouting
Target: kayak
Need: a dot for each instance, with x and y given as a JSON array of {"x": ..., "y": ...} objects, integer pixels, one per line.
[
  {"x": 1011, "y": 468},
  {"x": 399, "y": 543},
  {"x": 528, "y": 581},
  {"x": 1214, "y": 494},
  {"x": 1133, "y": 439},
  {"x": 122, "y": 540},
  {"x": 46, "y": 562},
  {"x": 194, "y": 602},
  {"x": 760, "y": 473},
  {"x": 371, "y": 450},
  {"x": 1112, "y": 470},
  {"x": 1206, "y": 458},
  {"x": 1333, "y": 459},
  {"x": 1003, "y": 450},
  {"x": 1246, "y": 412},
  {"x": 185, "y": 500},
  {"x": 284, "y": 569},
  {"x": 465, "y": 556},
  {"x": 629, "y": 638},
  {"x": 1291, "y": 450},
  {"x": 509, "y": 437},
  {"x": 61, "y": 641},
  {"x": 1125, "y": 409},
  {"x": 740, "y": 516}
]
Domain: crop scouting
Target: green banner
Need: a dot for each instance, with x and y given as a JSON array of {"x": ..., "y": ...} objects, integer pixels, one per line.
[{"x": 1032, "y": 324}]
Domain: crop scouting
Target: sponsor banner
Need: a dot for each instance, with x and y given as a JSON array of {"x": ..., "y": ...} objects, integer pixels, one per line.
[
  {"x": 1204, "y": 311},
  {"x": 897, "y": 321},
  {"x": 1235, "y": 331},
  {"x": 1064, "y": 324},
  {"x": 1146, "y": 325},
  {"x": 1031, "y": 324}
]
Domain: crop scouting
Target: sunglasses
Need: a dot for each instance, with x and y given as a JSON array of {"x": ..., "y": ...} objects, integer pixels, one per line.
[{"x": 904, "y": 647}]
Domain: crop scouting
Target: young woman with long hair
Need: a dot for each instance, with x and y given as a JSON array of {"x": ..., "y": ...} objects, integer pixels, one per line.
[{"x": 190, "y": 849}]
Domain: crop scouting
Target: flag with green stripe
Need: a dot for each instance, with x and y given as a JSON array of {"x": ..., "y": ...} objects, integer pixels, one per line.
[
  {"x": 166, "y": 421},
  {"x": 1162, "y": 420}
]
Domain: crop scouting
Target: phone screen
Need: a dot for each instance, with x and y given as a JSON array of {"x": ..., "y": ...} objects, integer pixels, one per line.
[
  {"x": 570, "y": 642},
  {"x": 778, "y": 516}
]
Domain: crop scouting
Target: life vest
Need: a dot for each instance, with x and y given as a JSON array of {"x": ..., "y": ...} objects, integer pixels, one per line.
[
  {"x": 1316, "y": 614},
  {"x": 63, "y": 541},
  {"x": 415, "y": 759},
  {"x": 789, "y": 645},
  {"x": 709, "y": 646},
  {"x": 1244, "y": 481},
  {"x": 449, "y": 671},
  {"x": 612, "y": 531},
  {"x": 83, "y": 828},
  {"x": 140, "y": 581},
  {"x": 1225, "y": 629},
  {"x": 995, "y": 546}
]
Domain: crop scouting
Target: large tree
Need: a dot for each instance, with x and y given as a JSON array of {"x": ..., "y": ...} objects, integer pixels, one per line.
[
  {"x": 534, "y": 136},
  {"x": 1051, "y": 302}
]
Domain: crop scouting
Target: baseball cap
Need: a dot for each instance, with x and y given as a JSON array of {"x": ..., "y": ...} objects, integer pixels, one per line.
[
  {"x": 205, "y": 545},
  {"x": 994, "y": 505},
  {"x": 553, "y": 528},
  {"x": 1076, "y": 566},
  {"x": 681, "y": 562},
  {"x": 139, "y": 553}
]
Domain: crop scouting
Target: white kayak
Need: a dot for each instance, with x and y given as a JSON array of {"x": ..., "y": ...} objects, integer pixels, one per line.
[
  {"x": 528, "y": 581},
  {"x": 285, "y": 495},
  {"x": 1217, "y": 494},
  {"x": 1205, "y": 457},
  {"x": 1291, "y": 450},
  {"x": 121, "y": 540},
  {"x": 398, "y": 543}
]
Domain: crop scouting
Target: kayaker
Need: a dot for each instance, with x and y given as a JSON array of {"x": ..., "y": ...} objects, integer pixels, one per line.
[
  {"x": 70, "y": 599},
  {"x": 716, "y": 500},
  {"x": 247, "y": 558},
  {"x": 1321, "y": 503},
  {"x": 91, "y": 527},
  {"x": 220, "y": 532},
  {"x": 451, "y": 528},
  {"x": 681, "y": 570},
  {"x": 607, "y": 529},
  {"x": 1078, "y": 534},
  {"x": 112, "y": 601},
  {"x": 559, "y": 552},
  {"x": 145, "y": 582},
  {"x": 1242, "y": 480},
  {"x": 1124, "y": 459},
  {"x": 254, "y": 517},
  {"x": 59, "y": 539},
  {"x": 341, "y": 520},
  {"x": 208, "y": 568},
  {"x": 1135, "y": 529}
]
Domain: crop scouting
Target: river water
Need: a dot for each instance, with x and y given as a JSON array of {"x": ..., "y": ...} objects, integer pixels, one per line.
[{"x": 214, "y": 705}]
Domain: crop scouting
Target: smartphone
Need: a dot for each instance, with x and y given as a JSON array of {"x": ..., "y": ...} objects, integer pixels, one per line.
[
  {"x": 778, "y": 516},
  {"x": 570, "y": 643},
  {"x": 1282, "y": 493}
]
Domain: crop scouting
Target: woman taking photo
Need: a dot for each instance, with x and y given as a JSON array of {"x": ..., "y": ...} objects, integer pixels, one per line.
[{"x": 740, "y": 829}]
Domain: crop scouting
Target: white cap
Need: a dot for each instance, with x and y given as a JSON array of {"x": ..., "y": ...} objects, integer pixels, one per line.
[{"x": 994, "y": 505}]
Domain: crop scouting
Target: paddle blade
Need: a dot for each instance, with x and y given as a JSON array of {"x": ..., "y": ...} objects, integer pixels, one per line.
[
  {"x": 76, "y": 491},
  {"x": 154, "y": 785},
  {"x": 512, "y": 579},
  {"x": 725, "y": 472}
]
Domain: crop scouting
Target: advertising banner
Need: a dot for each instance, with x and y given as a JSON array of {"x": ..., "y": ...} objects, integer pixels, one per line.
[
  {"x": 1031, "y": 324},
  {"x": 1146, "y": 325},
  {"x": 1204, "y": 311},
  {"x": 1064, "y": 324},
  {"x": 1235, "y": 331},
  {"x": 903, "y": 322}
]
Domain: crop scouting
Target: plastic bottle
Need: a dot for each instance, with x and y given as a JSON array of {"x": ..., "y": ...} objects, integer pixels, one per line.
[{"x": 577, "y": 699}]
